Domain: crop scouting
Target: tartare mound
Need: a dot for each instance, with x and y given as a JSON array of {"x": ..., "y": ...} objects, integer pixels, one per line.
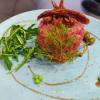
[
  {"x": 61, "y": 32},
  {"x": 59, "y": 40}
]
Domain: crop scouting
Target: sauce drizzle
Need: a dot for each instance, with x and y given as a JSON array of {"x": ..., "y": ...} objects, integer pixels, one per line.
[
  {"x": 70, "y": 81},
  {"x": 38, "y": 92}
]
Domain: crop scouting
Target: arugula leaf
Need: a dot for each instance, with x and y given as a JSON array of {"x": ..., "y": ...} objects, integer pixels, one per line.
[
  {"x": 14, "y": 27},
  {"x": 25, "y": 51},
  {"x": 4, "y": 50},
  {"x": 20, "y": 39},
  {"x": 15, "y": 55},
  {"x": 0, "y": 41},
  {"x": 40, "y": 54},
  {"x": 30, "y": 27},
  {"x": 1, "y": 56},
  {"x": 15, "y": 44},
  {"x": 23, "y": 61},
  {"x": 32, "y": 31},
  {"x": 7, "y": 62}
]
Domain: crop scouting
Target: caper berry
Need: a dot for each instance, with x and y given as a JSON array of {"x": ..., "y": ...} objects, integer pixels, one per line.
[
  {"x": 37, "y": 81},
  {"x": 80, "y": 54},
  {"x": 36, "y": 76},
  {"x": 91, "y": 41},
  {"x": 86, "y": 36},
  {"x": 40, "y": 78}
]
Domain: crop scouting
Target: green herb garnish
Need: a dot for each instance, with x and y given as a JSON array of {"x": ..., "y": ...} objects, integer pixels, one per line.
[
  {"x": 7, "y": 62},
  {"x": 99, "y": 78},
  {"x": 37, "y": 79},
  {"x": 14, "y": 43},
  {"x": 23, "y": 61}
]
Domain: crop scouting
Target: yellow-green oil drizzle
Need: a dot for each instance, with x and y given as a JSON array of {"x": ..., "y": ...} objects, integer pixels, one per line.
[
  {"x": 70, "y": 81},
  {"x": 66, "y": 82},
  {"x": 38, "y": 92}
]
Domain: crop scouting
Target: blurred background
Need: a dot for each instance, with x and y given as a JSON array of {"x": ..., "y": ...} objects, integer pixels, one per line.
[{"x": 10, "y": 8}]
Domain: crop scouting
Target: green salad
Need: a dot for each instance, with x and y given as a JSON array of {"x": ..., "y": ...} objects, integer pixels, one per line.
[{"x": 15, "y": 42}]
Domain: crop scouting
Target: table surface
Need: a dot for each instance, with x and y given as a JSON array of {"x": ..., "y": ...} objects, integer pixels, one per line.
[{"x": 8, "y": 9}]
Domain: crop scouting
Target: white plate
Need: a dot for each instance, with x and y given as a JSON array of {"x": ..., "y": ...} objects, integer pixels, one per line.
[{"x": 83, "y": 88}]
